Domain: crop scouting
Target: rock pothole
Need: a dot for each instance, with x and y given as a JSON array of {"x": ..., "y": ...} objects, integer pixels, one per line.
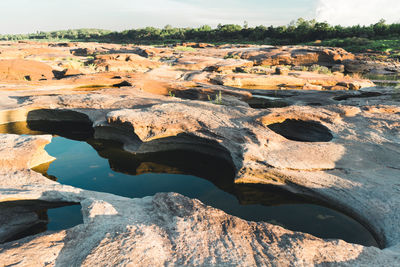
[
  {"x": 358, "y": 95},
  {"x": 19, "y": 219},
  {"x": 302, "y": 131},
  {"x": 67, "y": 123},
  {"x": 261, "y": 102},
  {"x": 189, "y": 165}
]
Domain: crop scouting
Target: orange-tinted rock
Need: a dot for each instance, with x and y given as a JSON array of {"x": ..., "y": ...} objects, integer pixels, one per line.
[
  {"x": 230, "y": 64},
  {"x": 196, "y": 62},
  {"x": 19, "y": 70},
  {"x": 192, "y": 44},
  {"x": 350, "y": 85},
  {"x": 195, "y": 45},
  {"x": 123, "y": 62},
  {"x": 150, "y": 51},
  {"x": 339, "y": 88},
  {"x": 83, "y": 52},
  {"x": 292, "y": 55},
  {"x": 309, "y": 86},
  {"x": 62, "y": 44},
  {"x": 204, "y": 45},
  {"x": 281, "y": 71}
]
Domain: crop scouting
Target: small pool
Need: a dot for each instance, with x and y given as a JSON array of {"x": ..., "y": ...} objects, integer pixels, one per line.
[
  {"x": 103, "y": 166},
  {"x": 384, "y": 80},
  {"x": 26, "y": 218}
]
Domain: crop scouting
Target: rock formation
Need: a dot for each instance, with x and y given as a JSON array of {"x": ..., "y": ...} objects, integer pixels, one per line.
[{"x": 338, "y": 146}]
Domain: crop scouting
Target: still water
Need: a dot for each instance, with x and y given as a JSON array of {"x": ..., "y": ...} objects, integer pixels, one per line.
[
  {"x": 38, "y": 216},
  {"x": 103, "y": 166}
]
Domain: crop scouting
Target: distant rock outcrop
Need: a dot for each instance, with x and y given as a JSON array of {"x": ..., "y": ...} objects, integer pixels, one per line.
[
  {"x": 295, "y": 55},
  {"x": 28, "y": 70}
]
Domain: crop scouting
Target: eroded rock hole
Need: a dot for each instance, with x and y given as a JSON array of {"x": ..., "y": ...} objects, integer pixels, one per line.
[
  {"x": 19, "y": 219},
  {"x": 195, "y": 167},
  {"x": 357, "y": 95},
  {"x": 303, "y": 131},
  {"x": 260, "y": 102},
  {"x": 65, "y": 123}
]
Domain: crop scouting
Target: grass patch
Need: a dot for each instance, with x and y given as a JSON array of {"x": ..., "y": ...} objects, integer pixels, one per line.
[
  {"x": 232, "y": 56},
  {"x": 184, "y": 49},
  {"x": 217, "y": 100},
  {"x": 320, "y": 69},
  {"x": 93, "y": 86}
]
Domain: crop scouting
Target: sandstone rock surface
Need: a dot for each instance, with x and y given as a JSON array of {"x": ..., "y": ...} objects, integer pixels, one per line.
[
  {"x": 20, "y": 70},
  {"x": 122, "y": 62},
  {"x": 293, "y": 55},
  {"x": 350, "y": 160}
]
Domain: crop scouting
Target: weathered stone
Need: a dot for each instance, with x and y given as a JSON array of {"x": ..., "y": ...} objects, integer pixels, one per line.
[
  {"x": 61, "y": 44},
  {"x": 281, "y": 71},
  {"x": 123, "y": 62},
  {"x": 229, "y": 65},
  {"x": 31, "y": 152},
  {"x": 297, "y": 79},
  {"x": 338, "y": 146},
  {"x": 293, "y": 55},
  {"x": 82, "y": 52},
  {"x": 24, "y": 70},
  {"x": 196, "y": 45},
  {"x": 368, "y": 66},
  {"x": 122, "y": 84},
  {"x": 196, "y": 62},
  {"x": 338, "y": 68},
  {"x": 309, "y": 86}
]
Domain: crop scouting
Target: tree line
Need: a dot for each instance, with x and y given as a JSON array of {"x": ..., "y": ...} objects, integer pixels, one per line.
[{"x": 299, "y": 31}]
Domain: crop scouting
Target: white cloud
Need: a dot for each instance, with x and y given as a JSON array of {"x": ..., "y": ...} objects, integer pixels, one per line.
[{"x": 352, "y": 12}]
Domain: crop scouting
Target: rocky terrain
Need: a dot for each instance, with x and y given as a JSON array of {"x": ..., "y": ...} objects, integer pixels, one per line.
[{"x": 295, "y": 117}]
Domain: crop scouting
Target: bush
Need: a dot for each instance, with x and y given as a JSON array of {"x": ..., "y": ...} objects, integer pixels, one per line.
[
  {"x": 184, "y": 49},
  {"x": 320, "y": 69}
]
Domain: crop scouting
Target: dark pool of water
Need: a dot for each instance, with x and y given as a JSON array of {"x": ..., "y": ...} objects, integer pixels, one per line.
[
  {"x": 262, "y": 102},
  {"x": 391, "y": 80},
  {"x": 270, "y": 87},
  {"x": 104, "y": 166},
  {"x": 50, "y": 217}
]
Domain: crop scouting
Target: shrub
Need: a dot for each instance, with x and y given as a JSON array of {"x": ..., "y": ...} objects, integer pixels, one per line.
[
  {"x": 217, "y": 100},
  {"x": 320, "y": 69},
  {"x": 231, "y": 56},
  {"x": 184, "y": 49}
]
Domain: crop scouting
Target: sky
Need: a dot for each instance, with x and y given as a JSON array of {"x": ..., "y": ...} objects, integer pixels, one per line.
[{"x": 26, "y": 16}]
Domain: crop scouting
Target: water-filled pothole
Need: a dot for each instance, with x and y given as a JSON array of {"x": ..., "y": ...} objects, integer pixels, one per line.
[
  {"x": 260, "y": 102},
  {"x": 20, "y": 219},
  {"x": 104, "y": 166},
  {"x": 357, "y": 95},
  {"x": 303, "y": 131},
  {"x": 384, "y": 80}
]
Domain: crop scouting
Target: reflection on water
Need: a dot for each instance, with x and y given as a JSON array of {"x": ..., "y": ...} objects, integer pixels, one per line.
[
  {"x": 261, "y": 102},
  {"x": 391, "y": 80},
  {"x": 92, "y": 87},
  {"x": 270, "y": 87},
  {"x": 26, "y": 218},
  {"x": 104, "y": 166}
]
